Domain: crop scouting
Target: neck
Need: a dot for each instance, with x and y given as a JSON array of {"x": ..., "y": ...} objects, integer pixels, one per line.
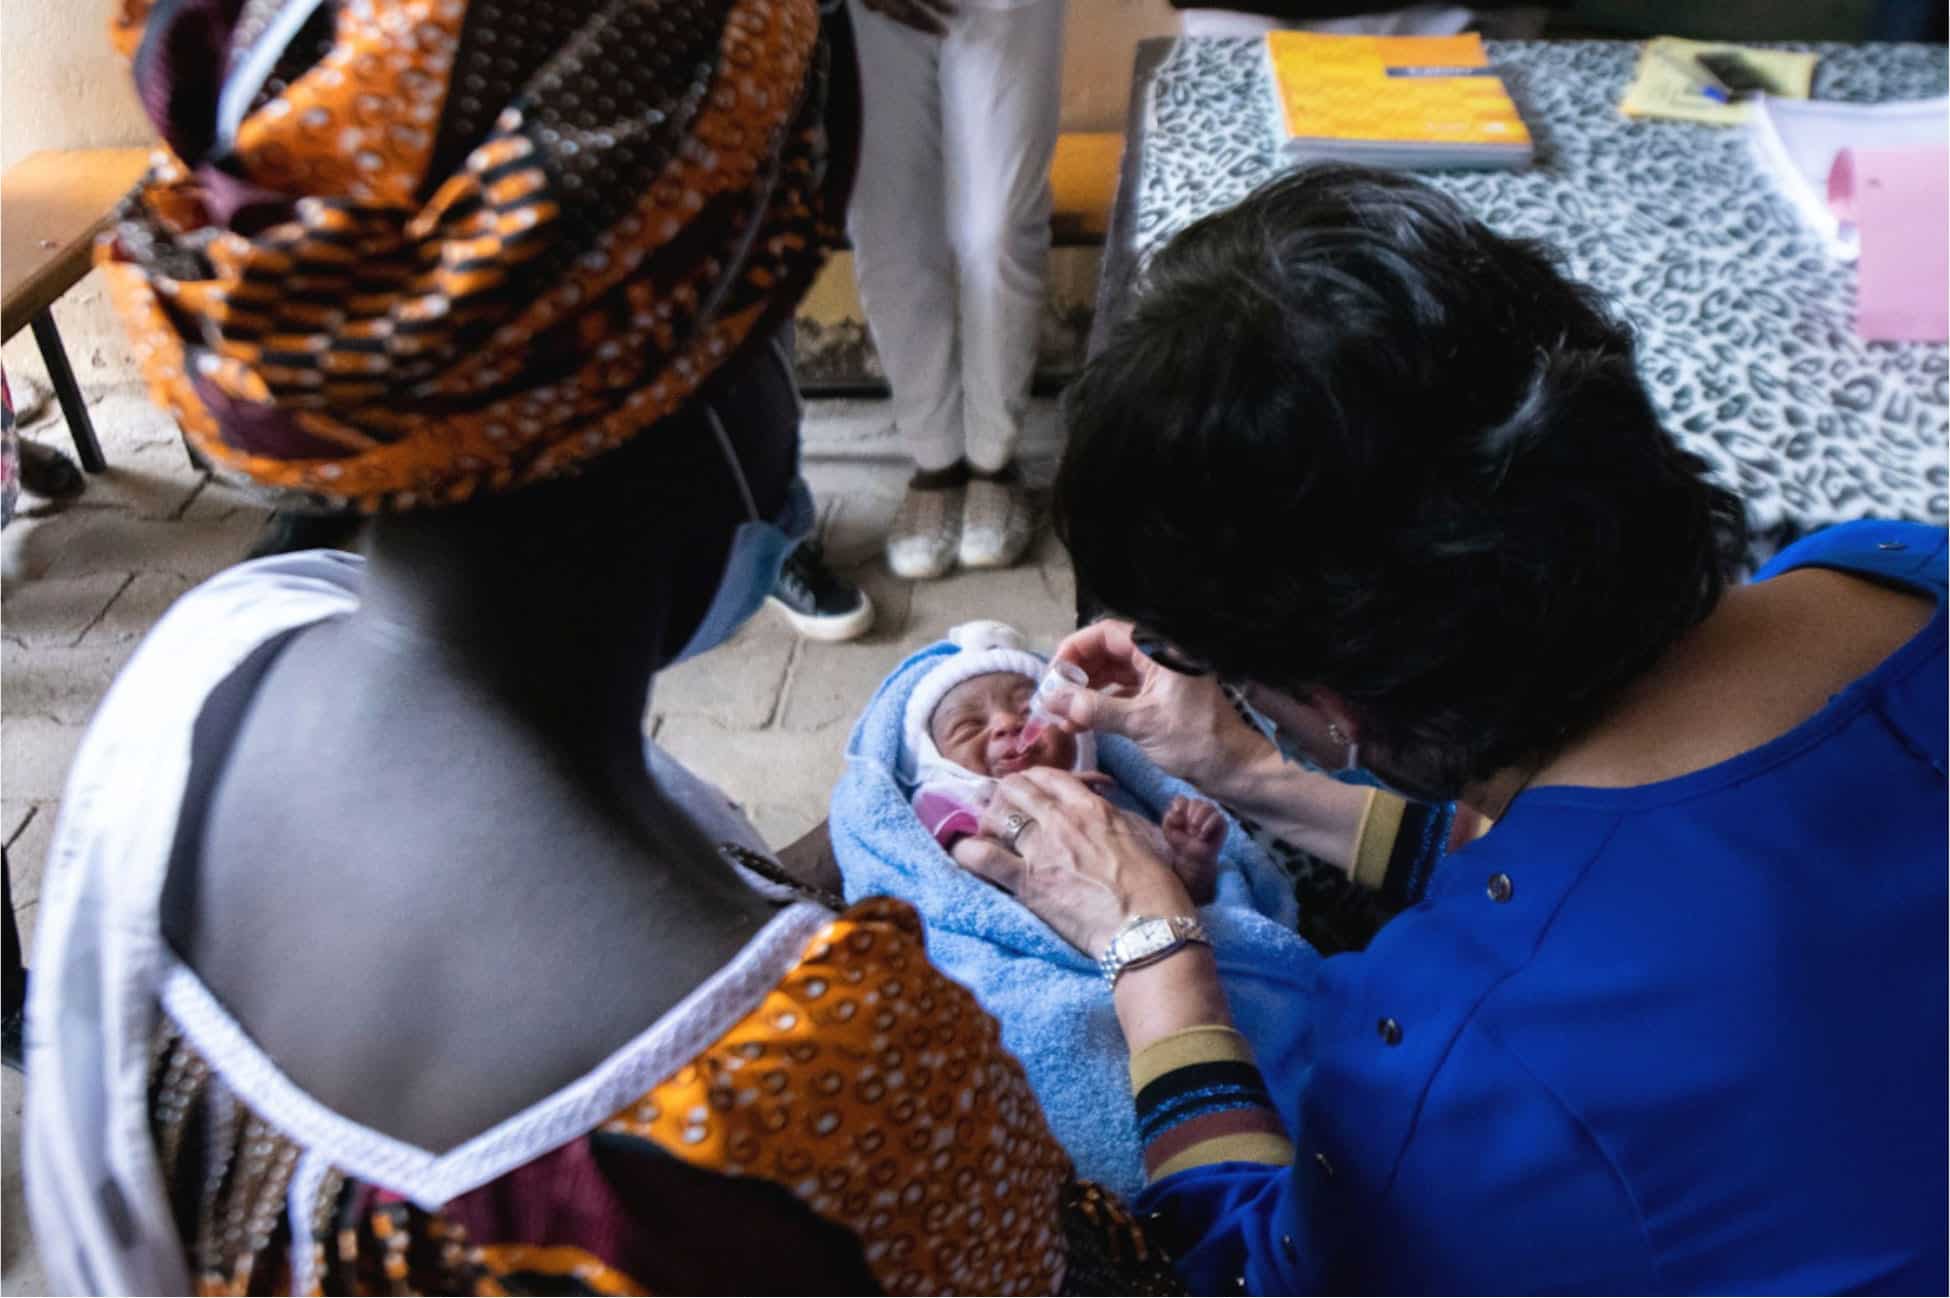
[
  {"x": 1492, "y": 798},
  {"x": 549, "y": 609},
  {"x": 563, "y": 645},
  {"x": 1636, "y": 740}
]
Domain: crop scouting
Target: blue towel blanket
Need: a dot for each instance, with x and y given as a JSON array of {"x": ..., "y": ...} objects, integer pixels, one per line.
[{"x": 1055, "y": 1011}]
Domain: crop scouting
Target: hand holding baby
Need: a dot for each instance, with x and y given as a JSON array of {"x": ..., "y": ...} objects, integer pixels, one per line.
[
  {"x": 1082, "y": 864},
  {"x": 1188, "y": 839}
]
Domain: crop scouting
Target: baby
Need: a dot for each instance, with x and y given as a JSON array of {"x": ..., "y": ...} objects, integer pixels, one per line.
[
  {"x": 968, "y": 725},
  {"x": 922, "y": 764}
]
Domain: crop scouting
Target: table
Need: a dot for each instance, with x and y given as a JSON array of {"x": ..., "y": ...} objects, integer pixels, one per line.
[
  {"x": 54, "y": 204},
  {"x": 1744, "y": 321}
]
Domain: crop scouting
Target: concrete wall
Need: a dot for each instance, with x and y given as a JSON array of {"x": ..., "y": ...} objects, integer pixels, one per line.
[
  {"x": 65, "y": 89},
  {"x": 1097, "y": 54}
]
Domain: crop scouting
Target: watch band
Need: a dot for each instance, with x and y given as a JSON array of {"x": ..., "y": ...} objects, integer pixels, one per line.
[{"x": 1164, "y": 934}]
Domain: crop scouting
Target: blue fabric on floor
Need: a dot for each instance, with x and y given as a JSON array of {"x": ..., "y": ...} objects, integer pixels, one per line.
[{"x": 1055, "y": 1011}]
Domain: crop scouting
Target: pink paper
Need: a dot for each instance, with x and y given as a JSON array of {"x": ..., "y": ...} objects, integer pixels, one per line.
[{"x": 1899, "y": 202}]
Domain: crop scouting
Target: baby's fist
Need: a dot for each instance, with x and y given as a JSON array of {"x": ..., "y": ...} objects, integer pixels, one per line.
[{"x": 1194, "y": 830}]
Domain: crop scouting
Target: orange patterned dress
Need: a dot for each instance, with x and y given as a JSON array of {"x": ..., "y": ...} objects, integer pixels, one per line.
[{"x": 850, "y": 1075}]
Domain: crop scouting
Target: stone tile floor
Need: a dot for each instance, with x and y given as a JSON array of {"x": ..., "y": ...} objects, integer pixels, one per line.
[{"x": 766, "y": 716}]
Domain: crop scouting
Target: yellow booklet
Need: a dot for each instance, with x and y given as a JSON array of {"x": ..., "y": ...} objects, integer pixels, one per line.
[
  {"x": 1405, "y": 101},
  {"x": 1669, "y": 81}
]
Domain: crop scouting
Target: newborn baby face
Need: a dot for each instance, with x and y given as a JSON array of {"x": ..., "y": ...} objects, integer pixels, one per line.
[{"x": 978, "y": 725}]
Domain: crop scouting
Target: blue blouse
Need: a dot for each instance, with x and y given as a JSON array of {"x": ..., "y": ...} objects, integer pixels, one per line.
[{"x": 1688, "y": 1036}]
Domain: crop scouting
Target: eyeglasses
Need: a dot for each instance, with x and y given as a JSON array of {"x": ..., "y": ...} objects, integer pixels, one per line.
[{"x": 1168, "y": 655}]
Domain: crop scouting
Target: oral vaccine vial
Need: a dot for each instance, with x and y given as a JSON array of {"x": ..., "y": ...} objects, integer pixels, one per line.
[{"x": 1062, "y": 677}]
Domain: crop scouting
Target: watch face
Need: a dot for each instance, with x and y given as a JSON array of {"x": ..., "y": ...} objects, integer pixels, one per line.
[{"x": 1146, "y": 939}]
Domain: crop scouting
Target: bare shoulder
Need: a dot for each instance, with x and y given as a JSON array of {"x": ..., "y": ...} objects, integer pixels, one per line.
[
  {"x": 1857, "y": 621},
  {"x": 1769, "y": 657}
]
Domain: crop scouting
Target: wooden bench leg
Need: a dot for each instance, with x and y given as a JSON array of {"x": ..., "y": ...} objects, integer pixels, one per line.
[{"x": 68, "y": 393}]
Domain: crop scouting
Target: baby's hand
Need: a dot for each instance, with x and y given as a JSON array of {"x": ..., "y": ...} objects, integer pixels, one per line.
[{"x": 1194, "y": 830}]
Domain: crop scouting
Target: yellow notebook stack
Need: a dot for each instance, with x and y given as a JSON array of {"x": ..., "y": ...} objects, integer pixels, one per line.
[
  {"x": 1670, "y": 78},
  {"x": 1422, "y": 102}
]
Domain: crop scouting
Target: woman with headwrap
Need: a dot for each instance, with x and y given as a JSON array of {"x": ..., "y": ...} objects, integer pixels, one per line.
[{"x": 375, "y": 956}]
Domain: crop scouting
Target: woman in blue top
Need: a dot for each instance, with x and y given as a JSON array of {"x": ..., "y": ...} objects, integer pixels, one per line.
[{"x": 1677, "y": 1021}]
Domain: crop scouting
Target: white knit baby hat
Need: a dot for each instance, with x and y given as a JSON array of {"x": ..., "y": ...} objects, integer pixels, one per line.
[{"x": 986, "y": 646}]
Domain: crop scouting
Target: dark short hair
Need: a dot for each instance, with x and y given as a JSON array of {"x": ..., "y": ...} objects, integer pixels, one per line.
[{"x": 1348, "y": 437}]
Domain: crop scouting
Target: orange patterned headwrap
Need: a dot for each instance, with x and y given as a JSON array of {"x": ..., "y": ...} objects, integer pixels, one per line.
[{"x": 398, "y": 252}]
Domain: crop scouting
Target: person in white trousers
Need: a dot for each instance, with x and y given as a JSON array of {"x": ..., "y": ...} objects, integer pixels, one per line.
[{"x": 950, "y": 231}]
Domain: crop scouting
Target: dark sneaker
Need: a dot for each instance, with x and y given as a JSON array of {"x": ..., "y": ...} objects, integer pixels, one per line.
[
  {"x": 47, "y": 473},
  {"x": 820, "y": 604}
]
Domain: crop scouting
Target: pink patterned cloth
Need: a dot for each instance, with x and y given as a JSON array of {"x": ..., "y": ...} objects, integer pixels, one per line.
[{"x": 9, "y": 454}]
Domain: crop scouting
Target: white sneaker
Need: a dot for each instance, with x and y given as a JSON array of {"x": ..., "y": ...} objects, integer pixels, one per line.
[
  {"x": 927, "y": 527},
  {"x": 997, "y": 524}
]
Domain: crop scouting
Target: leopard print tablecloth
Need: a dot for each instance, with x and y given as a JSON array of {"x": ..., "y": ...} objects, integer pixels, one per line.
[{"x": 1745, "y": 321}]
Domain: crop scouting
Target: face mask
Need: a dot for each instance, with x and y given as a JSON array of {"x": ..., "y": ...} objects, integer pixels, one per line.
[
  {"x": 1352, "y": 772},
  {"x": 758, "y": 551}
]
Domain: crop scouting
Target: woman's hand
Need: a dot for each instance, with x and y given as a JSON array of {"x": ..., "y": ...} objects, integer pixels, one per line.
[
  {"x": 929, "y": 16},
  {"x": 1081, "y": 864},
  {"x": 1184, "y": 724}
]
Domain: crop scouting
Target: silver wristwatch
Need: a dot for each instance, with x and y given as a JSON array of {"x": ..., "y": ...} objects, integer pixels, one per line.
[{"x": 1147, "y": 938}]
